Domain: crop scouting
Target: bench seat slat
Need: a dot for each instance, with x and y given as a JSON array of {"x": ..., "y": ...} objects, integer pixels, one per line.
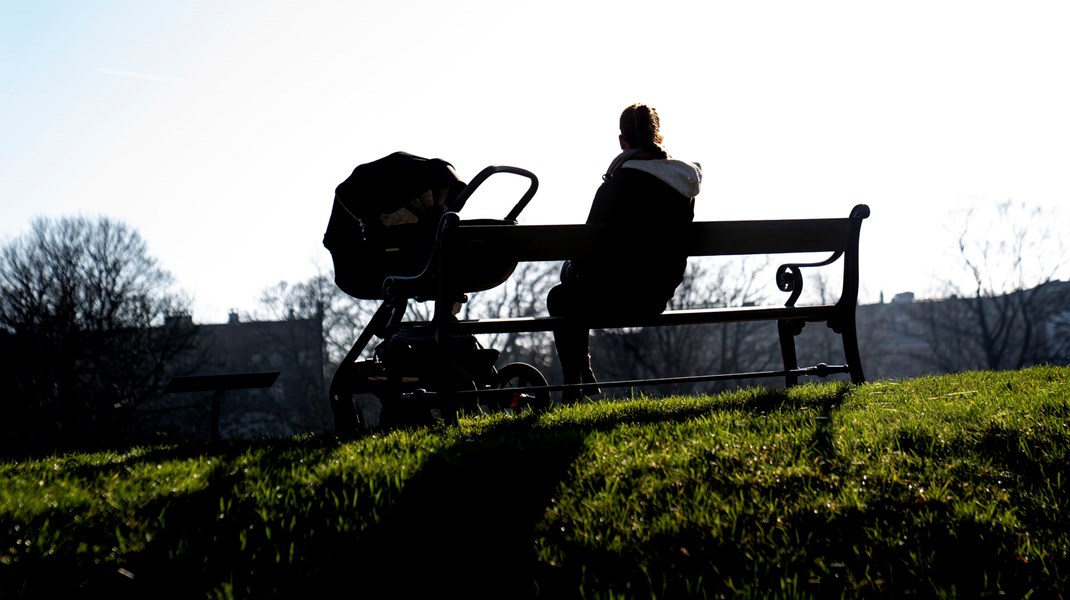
[{"x": 669, "y": 318}]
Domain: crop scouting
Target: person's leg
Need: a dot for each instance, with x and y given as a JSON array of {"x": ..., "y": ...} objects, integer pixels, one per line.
[{"x": 572, "y": 342}]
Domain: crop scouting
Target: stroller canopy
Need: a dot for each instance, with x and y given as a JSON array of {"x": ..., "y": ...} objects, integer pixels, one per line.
[
  {"x": 383, "y": 217},
  {"x": 397, "y": 184}
]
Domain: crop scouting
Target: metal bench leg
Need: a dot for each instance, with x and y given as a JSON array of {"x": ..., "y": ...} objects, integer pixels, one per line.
[
  {"x": 213, "y": 434},
  {"x": 788, "y": 330},
  {"x": 850, "y": 351}
]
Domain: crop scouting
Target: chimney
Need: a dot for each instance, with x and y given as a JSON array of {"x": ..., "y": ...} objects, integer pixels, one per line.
[{"x": 233, "y": 318}]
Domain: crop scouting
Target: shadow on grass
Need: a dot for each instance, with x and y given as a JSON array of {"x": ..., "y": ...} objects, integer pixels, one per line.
[{"x": 466, "y": 523}]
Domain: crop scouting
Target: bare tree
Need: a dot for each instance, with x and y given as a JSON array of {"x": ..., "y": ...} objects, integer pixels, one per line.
[
  {"x": 522, "y": 295},
  {"x": 994, "y": 316},
  {"x": 318, "y": 297},
  {"x": 84, "y": 309},
  {"x": 693, "y": 349},
  {"x": 344, "y": 317}
]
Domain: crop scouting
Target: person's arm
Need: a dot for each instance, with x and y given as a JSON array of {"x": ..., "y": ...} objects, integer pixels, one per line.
[{"x": 604, "y": 208}]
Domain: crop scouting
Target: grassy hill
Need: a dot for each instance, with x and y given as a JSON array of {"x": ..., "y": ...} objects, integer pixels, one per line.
[{"x": 952, "y": 486}]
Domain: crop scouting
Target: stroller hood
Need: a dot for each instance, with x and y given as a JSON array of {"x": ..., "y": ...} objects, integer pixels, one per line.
[{"x": 383, "y": 219}]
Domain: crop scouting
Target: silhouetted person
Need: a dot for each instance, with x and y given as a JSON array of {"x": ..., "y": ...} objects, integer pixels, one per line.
[{"x": 643, "y": 185}]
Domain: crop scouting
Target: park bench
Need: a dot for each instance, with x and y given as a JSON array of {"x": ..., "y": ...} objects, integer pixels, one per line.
[
  {"x": 459, "y": 243},
  {"x": 219, "y": 384}
]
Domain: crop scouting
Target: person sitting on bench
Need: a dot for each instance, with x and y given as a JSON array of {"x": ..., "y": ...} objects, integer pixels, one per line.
[{"x": 643, "y": 185}]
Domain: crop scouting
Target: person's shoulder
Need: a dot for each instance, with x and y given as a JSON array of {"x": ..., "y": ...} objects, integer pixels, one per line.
[
  {"x": 628, "y": 181},
  {"x": 683, "y": 177}
]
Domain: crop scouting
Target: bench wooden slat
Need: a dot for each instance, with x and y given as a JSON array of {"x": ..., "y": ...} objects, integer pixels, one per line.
[{"x": 708, "y": 238}]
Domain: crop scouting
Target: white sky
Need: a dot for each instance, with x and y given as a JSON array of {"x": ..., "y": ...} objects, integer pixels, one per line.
[{"x": 219, "y": 129}]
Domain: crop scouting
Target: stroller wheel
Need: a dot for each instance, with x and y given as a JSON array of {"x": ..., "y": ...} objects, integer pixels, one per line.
[
  {"x": 518, "y": 388},
  {"x": 346, "y": 417},
  {"x": 453, "y": 392},
  {"x": 354, "y": 396}
]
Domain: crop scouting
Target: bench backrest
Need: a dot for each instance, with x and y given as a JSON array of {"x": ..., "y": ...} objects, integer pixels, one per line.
[
  {"x": 465, "y": 244},
  {"x": 704, "y": 238}
]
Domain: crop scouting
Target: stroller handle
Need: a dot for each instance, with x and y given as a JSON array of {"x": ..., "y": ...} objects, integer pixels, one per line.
[{"x": 482, "y": 176}]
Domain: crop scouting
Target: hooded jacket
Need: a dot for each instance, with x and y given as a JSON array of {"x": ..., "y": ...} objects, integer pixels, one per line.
[{"x": 639, "y": 274}]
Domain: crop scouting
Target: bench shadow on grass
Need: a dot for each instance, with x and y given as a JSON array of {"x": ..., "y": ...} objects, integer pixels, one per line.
[
  {"x": 468, "y": 521},
  {"x": 714, "y": 556}
]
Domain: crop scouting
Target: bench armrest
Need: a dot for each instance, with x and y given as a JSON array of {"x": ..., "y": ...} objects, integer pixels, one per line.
[
  {"x": 399, "y": 287},
  {"x": 789, "y": 276}
]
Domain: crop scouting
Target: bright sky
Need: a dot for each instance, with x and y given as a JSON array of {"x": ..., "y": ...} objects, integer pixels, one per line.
[{"x": 219, "y": 129}]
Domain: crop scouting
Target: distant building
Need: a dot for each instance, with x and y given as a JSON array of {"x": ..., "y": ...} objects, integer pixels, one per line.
[
  {"x": 903, "y": 298},
  {"x": 1055, "y": 295},
  {"x": 296, "y": 403},
  {"x": 895, "y": 338},
  {"x": 889, "y": 341}
]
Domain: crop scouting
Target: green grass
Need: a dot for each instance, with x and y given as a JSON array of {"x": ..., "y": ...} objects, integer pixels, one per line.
[{"x": 953, "y": 486}]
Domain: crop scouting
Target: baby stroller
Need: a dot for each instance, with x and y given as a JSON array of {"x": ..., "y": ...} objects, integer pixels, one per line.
[{"x": 385, "y": 222}]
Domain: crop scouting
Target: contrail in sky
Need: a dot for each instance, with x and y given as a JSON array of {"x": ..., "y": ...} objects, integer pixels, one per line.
[{"x": 136, "y": 75}]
